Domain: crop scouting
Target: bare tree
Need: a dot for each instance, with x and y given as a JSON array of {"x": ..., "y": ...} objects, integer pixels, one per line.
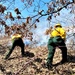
[{"x": 25, "y": 24}]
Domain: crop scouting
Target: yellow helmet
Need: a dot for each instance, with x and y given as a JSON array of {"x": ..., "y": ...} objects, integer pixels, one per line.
[{"x": 58, "y": 25}]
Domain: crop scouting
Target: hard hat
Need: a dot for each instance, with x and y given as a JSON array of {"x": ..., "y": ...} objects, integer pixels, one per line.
[{"x": 58, "y": 25}]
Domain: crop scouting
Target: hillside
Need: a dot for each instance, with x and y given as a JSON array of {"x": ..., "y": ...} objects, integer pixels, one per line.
[{"x": 32, "y": 63}]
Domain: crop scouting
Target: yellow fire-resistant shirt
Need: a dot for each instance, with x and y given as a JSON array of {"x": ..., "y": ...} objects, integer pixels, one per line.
[
  {"x": 15, "y": 36},
  {"x": 58, "y": 32}
]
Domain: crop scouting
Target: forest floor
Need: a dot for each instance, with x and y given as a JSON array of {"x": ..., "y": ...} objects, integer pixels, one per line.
[{"x": 32, "y": 63}]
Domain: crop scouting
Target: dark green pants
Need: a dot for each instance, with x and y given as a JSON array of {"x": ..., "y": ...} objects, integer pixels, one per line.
[
  {"x": 52, "y": 44},
  {"x": 16, "y": 42}
]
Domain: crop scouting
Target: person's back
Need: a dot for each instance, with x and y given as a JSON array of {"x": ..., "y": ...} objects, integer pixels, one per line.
[
  {"x": 59, "y": 31},
  {"x": 15, "y": 36}
]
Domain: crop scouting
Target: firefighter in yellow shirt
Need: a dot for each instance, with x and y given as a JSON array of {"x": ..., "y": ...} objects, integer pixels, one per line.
[
  {"x": 57, "y": 39},
  {"x": 16, "y": 41}
]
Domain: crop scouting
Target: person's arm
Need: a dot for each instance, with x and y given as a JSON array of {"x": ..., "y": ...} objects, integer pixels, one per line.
[{"x": 63, "y": 34}]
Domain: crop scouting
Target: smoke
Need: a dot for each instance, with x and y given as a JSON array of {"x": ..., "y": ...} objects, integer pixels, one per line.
[{"x": 39, "y": 36}]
